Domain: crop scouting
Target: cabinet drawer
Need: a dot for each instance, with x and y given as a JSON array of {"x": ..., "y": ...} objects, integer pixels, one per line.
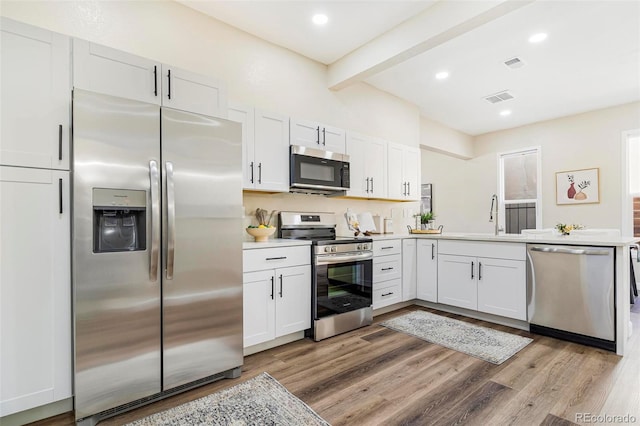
[
  {"x": 498, "y": 250},
  {"x": 387, "y": 268},
  {"x": 278, "y": 257},
  {"x": 387, "y": 293},
  {"x": 383, "y": 248}
]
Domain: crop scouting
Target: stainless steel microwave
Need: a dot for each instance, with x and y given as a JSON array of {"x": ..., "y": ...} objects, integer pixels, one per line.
[{"x": 317, "y": 171}]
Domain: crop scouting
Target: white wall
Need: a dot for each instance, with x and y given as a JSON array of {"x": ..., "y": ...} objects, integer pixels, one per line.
[
  {"x": 587, "y": 140},
  {"x": 437, "y": 137},
  {"x": 256, "y": 72}
]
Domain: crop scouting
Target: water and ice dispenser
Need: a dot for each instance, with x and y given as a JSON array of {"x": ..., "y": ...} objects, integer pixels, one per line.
[{"x": 119, "y": 220}]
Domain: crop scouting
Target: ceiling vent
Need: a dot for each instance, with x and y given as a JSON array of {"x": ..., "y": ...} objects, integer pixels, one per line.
[
  {"x": 514, "y": 63},
  {"x": 499, "y": 97}
]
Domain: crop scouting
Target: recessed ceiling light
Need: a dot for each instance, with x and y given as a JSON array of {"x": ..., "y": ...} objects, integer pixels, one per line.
[
  {"x": 442, "y": 75},
  {"x": 320, "y": 19},
  {"x": 537, "y": 38},
  {"x": 505, "y": 112}
]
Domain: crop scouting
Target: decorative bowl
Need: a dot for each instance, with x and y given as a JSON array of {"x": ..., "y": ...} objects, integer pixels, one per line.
[{"x": 261, "y": 234}]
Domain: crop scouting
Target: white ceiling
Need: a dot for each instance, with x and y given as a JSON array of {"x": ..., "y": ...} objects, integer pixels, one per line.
[{"x": 590, "y": 60}]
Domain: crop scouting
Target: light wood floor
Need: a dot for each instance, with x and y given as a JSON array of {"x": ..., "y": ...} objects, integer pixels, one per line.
[{"x": 375, "y": 376}]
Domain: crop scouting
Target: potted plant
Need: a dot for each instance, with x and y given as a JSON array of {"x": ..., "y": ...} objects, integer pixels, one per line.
[{"x": 426, "y": 220}]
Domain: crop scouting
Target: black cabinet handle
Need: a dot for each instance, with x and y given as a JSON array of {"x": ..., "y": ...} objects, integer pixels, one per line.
[
  {"x": 472, "y": 264},
  {"x": 387, "y": 269},
  {"x": 259, "y": 172},
  {"x": 169, "y": 84},
  {"x": 408, "y": 188},
  {"x": 372, "y": 185},
  {"x": 281, "y": 286},
  {"x": 318, "y": 135},
  {"x": 324, "y": 136},
  {"x": 367, "y": 184},
  {"x": 276, "y": 258},
  {"x": 60, "y": 196},
  {"x": 386, "y": 248},
  {"x": 155, "y": 80},
  {"x": 272, "y": 287},
  {"x": 479, "y": 270},
  {"x": 251, "y": 171},
  {"x": 433, "y": 251},
  {"x": 387, "y": 294},
  {"x": 404, "y": 190},
  {"x": 60, "y": 142}
]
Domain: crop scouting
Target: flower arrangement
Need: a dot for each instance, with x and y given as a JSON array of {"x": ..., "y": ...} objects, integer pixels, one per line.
[{"x": 565, "y": 229}]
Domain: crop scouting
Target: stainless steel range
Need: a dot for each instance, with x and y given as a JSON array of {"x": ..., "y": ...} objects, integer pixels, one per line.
[{"x": 342, "y": 272}]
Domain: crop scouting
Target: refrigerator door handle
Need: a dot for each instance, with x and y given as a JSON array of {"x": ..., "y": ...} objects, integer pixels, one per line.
[
  {"x": 171, "y": 219},
  {"x": 154, "y": 253}
]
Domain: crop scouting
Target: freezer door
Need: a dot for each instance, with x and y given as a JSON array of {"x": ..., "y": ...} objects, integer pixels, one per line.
[
  {"x": 117, "y": 293},
  {"x": 202, "y": 237}
]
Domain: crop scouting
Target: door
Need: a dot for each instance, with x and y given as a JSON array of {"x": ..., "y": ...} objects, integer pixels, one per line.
[
  {"x": 428, "y": 270},
  {"x": 376, "y": 167},
  {"x": 115, "y": 147},
  {"x": 333, "y": 139},
  {"x": 245, "y": 116},
  {"x": 409, "y": 269},
  {"x": 411, "y": 171},
  {"x": 35, "y": 288},
  {"x": 202, "y": 237},
  {"x": 356, "y": 149},
  {"x": 34, "y": 93},
  {"x": 259, "y": 307},
  {"x": 306, "y": 133},
  {"x": 457, "y": 282},
  {"x": 112, "y": 72},
  {"x": 502, "y": 287},
  {"x": 293, "y": 299},
  {"x": 271, "y": 166},
  {"x": 396, "y": 184},
  {"x": 193, "y": 92}
]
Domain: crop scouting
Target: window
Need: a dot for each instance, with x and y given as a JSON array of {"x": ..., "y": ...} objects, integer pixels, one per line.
[
  {"x": 633, "y": 149},
  {"x": 520, "y": 189}
]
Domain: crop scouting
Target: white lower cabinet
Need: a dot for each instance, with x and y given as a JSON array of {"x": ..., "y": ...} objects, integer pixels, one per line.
[
  {"x": 427, "y": 270},
  {"x": 409, "y": 269},
  {"x": 494, "y": 283},
  {"x": 35, "y": 288},
  {"x": 276, "y": 301},
  {"x": 387, "y": 273}
]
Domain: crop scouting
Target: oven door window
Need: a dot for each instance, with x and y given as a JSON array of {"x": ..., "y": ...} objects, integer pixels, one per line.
[
  {"x": 316, "y": 171},
  {"x": 343, "y": 287}
]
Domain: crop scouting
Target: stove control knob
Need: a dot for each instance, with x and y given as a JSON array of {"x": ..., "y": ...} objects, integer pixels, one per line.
[
  {"x": 359, "y": 247},
  {"x": 326, "y": 249},
  {"x": 334, "y": 249}
]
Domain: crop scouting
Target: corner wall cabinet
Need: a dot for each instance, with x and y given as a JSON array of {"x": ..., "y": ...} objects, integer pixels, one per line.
[
  {"x": 403, "y": 165},
  {"x": 265, "y": 148},
  {"x": 276, "y": 293},
  {"x": 113, "y": 72},
  {"x": 427, "y": 287},
  {"x": 317, "y": 135},
  {"x": 368, "y": 166},
  {"x": 387, "y": 273},
  {"x": 488, "y": 277},
  {"x": 34, "y": 94}
]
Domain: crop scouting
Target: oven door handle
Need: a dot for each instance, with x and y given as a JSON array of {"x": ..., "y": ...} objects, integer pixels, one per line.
[{"x": 330, "y": 259}]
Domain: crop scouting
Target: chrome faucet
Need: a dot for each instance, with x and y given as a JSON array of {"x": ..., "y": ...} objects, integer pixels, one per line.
[{"x": 494, "y": 202}]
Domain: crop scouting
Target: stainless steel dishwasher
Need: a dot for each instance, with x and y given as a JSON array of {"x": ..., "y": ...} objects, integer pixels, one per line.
[{"x": 571, "y": 293}]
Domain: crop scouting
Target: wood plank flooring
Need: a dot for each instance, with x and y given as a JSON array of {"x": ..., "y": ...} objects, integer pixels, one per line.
[{"x": 375, "y": 376}]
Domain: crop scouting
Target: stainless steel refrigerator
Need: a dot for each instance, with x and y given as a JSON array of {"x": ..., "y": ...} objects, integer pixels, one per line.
[{"x": 157, "y": 251}]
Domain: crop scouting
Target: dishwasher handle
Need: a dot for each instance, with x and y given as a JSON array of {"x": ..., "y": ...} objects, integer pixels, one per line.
[{"x": 587, "y": 252}]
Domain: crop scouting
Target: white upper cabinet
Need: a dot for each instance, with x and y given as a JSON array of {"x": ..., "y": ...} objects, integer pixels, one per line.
[
  {"x": 403, "y": 165},
  {"x": 368, "y": 166},
  {"x": 317, "y": 135},
  {"x": 35, "y": 95},
  {"x": 265, "y": 148},
  {"x": 110, "y": 71}
]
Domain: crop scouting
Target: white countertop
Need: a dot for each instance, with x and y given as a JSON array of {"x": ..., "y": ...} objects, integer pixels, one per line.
[{"x": 275, "y": 242}]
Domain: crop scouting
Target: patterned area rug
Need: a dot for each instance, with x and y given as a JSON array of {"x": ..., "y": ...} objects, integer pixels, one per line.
[
  {"x": 481, "y": 342},
  {"x": 258, "y": 401}
]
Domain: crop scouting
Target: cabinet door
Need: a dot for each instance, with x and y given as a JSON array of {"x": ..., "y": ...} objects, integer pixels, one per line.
[
  {"x": 395, "y": 179},
  {"x": 35, "y": 95},
  {"x": 376, "y": 167},
  {"x": 193, "y": 92},
  {"x": 245, "y": 116},
  {"x": 356, "y": 149},
  {"x": 113, "y": 72},
  {"x": 409, "y": 269},
  {"x": 333, "y": 139},
  {"x": 258, "y": 307},
  {"x": 411, "y": 172},
  {"x": 502, "y": 287},
  {"x": 306, "y": 133},
  {"x": 457, "y": 281},
  {"x": 271, "y": 164},
  {"x": 293, "y": 299},
  {"x": 35, "y": 288},
  {"x": 427, "y": 287},
  {"x": 387, "y": 267}
]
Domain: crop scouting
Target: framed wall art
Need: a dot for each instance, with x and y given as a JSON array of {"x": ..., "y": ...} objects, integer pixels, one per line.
[{"x": 578, "y": 186}]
